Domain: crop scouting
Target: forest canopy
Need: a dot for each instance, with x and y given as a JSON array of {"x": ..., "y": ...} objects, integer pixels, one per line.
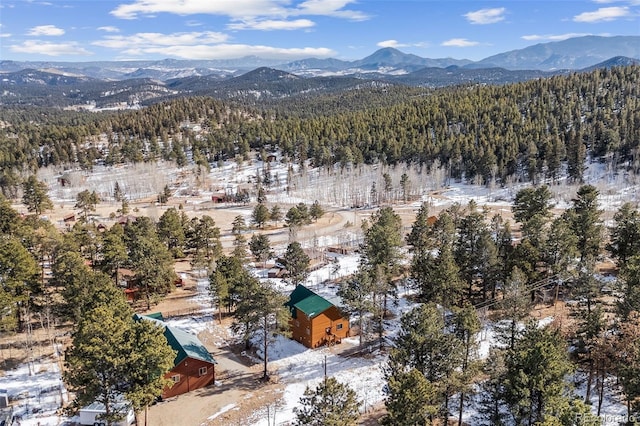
[{"x": 539, "y": 129}]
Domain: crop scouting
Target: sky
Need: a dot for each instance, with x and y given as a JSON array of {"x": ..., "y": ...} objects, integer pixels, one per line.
[{"x": 110, "y": 30}]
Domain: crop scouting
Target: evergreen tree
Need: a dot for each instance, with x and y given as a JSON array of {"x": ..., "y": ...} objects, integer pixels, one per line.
[
  {"x": 262, "y": 311},
  {"x": 331, "y": 403},
  {"x": 316, "y": 211},
  {"x": 218, "y": 290},
  {"x": 492, "y": 390},
  {"x": 118, "y": 192},
  {"x": 34, "y": 196},
  {"x": 585, "y": 221},
  {"x": 18, "y": 280},
  {"x": 357, "y": 294},
  {"x": 260, "y": 215},
  {"x": 411, "y": 398},
  {"x": 625, "y": 234},
  {"x": 87, "y": 201},
  {"x": 514, "y": 307},
  {"x": 239, "y": 225},
  {"x": 423, "y": 344},
  {"x": 275, "y": 214},
  {"x": 9, "y": 217},
  {"x": 537, "y": 367},
  {"x": 171, "y": 232},
  {"x": 404, "y": 186},
  {"x": 296, "y": 262},
  {"x": 466, "y": 326},
  {"x": 260, "y": 247},
  {"x": 114, "y": 251},
  {"x": 240, "y": 247},
  {"x": 112, "y": 357},
  {"x": 420, "y": 238},
  {"x": 627, "y": 349},
  {"x": 629, "y": 278}
]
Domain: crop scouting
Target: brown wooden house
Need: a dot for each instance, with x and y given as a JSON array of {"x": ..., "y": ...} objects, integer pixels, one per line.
[
  {"x": 315, "y": 321},
  {"x": 193, "y": 367}
]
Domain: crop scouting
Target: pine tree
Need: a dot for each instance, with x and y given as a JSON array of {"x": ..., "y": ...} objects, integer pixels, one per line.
[
  {"x": 87, "y": 201},
  {"x": 423, "y": 344},
  {"x": 112, "y": 357},
  {"x": 18, "y": 279},
  {"x": 466, "y": 326},
  {"x": 411, "y": 398},
  {"x": 260, "y": 215},
  {"x": 296, "y": 262},
  {"x": 585, "y": 221},
  {"x": 171, "y": 232},
  {"x": 316, "y": 211},
  {"x": 331, "y": 403},
  {"x": 260, "y": 247},
  {"x": 537, "y": 367},
  {"x": 357, "y": 295},
  {"x": 625, "y": 234},
  {"x": 261, "y": 311},
  {"x": 238, "y": 225},
  {"x": 275, "y": 214},
  {"x": 35, "y": 197}
]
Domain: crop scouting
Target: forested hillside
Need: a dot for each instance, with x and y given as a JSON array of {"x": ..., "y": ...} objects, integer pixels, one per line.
[{"x": 525, "y": 131}]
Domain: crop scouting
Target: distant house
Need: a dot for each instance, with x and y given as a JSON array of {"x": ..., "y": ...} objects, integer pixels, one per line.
[
  {"x": 219, "y": 197},
  {"x": 68, "y": 219},
  {"x": 124, "y": 220},
  {"x": 126, "y": 279},
  {"x": 193, "y": 367},
  {"x": 315, "y": 321}
]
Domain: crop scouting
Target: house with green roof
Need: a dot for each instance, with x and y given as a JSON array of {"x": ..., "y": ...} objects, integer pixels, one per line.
[
  {"x": 193, "y": 367},
  {"x": 315, "y": 320}
]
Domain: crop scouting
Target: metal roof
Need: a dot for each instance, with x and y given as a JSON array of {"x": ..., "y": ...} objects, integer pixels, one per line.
[
  {"x": 187, "y": 345},
  {"x": 307, "y": 302}
]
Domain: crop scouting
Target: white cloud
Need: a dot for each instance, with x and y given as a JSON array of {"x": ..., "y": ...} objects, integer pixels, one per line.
[
  {"x": 109, "y": 29},
  {"x": 486, "y": 16},
  {"x": 333, "y": 8},
  {"x": 232, "y": 8},
  {"x": 200, "y": 45},
  {"x": 239, "y": 9},
  {"x": 268, "y": 25},
  {"x": 459, "y": 42},
  {"x": 230, "y": 51},
  {"x": 154, "y": 40},
  {"x": 603, "y": 14},
  {"x": 391, "y": 43},
  {"x": 396, "y": 44},
  {"x": 50, "y": 49},
  {"x": 552, "y": 37},
  {"x": 46, "y": 30},
  {"x": 4, "y": 35}
]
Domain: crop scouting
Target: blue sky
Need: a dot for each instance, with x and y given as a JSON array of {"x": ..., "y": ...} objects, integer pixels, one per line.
[{"x": 94, "y": 30}]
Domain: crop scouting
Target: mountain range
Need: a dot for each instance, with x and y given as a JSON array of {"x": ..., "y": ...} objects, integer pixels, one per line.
[{"x": 138, "y": 82}]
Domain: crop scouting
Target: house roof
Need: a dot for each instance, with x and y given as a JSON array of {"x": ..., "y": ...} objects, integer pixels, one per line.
[
  {"x": 307, "y": 302},
  {"x": 185, "y": 344}
]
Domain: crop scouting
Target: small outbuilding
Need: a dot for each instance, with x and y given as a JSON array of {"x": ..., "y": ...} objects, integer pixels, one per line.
[{"x": 316, "y": 321}]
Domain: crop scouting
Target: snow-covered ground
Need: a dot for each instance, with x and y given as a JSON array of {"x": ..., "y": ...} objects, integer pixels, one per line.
[{"x": 297, "y": 366}]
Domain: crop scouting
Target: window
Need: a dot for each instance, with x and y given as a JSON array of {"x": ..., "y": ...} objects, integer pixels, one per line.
[
  {"x": 339, "y": 326},
  {"x": 202, "y": 371},
  {"x": 308, "y": 331},
  {"x": 175, "y": 378}
]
